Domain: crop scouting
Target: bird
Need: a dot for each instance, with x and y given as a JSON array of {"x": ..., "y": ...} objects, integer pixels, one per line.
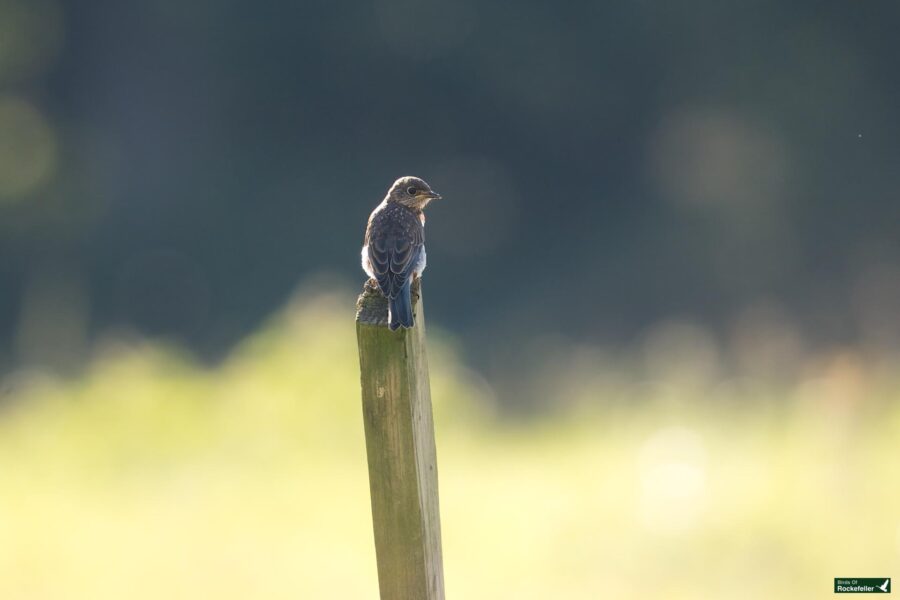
[{"x": 393, "y": 252}]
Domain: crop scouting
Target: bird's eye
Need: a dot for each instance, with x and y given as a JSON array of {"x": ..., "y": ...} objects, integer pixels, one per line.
[{"x": 411, "y": 191}]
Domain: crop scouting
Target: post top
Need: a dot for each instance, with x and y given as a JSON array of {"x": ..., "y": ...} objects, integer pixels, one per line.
[{"x": 372, "y": 306}]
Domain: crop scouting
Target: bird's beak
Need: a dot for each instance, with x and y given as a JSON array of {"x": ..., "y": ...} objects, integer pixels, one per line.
[{"x": 432, "y": 195}]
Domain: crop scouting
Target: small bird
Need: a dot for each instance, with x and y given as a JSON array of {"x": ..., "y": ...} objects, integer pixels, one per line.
[{"x": 393, "y": 253}]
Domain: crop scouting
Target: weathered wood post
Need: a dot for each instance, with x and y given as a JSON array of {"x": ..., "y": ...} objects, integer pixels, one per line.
[{"x": 399, "y": 427}]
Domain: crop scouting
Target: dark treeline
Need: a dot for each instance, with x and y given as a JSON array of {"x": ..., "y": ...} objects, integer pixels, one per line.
[{"x": 179, "y": 167}]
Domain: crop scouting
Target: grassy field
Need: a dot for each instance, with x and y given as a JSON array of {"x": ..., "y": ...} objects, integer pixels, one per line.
[{"x": 151, "y": 477}]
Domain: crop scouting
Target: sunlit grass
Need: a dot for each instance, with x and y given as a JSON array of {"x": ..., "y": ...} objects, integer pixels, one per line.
[{"x": 152, "y": 476}]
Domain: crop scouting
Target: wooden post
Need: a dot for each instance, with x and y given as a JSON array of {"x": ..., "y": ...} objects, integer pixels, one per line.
[{"x": 400, "y": 446}]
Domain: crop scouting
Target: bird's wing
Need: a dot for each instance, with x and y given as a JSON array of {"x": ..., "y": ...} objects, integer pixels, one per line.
[{"x": 395, "y": 239}]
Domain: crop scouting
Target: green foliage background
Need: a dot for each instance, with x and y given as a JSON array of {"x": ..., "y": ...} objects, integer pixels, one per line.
[{"x": 152, "y": 476}]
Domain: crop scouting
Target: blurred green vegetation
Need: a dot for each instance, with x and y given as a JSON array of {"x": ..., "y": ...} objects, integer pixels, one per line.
[{"x": 151, "y": 476}]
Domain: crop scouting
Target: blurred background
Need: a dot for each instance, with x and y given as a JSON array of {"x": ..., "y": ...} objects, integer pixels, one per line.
[{"x": 663, "y": 293}]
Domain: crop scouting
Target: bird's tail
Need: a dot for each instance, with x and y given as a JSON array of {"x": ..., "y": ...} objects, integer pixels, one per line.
[{"x": 401, "y": 308}]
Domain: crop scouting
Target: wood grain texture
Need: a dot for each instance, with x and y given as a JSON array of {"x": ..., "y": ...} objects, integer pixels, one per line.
[{"x": 401, "y": 453}]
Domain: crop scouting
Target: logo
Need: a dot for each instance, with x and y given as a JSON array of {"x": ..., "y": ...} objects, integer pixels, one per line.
[{"x": 862, "y": 585}]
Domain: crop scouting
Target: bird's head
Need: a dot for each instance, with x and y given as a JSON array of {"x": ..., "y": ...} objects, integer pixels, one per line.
[{"x": 412, "y": 192}]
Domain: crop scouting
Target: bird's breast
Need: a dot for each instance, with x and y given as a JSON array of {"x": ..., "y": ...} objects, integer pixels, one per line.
[{"x": 420, "y": 264}]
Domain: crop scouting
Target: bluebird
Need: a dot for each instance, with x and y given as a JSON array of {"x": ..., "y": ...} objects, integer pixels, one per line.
[{"x": 393, "y": 253}]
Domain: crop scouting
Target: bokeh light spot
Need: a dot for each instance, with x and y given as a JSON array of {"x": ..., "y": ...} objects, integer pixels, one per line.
[
  {"x": 28, "y": 149},
  {"x": 31, "y": 34},
  {"x": 673, "y": 478},
  {"x": 711, "y": 159}
]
